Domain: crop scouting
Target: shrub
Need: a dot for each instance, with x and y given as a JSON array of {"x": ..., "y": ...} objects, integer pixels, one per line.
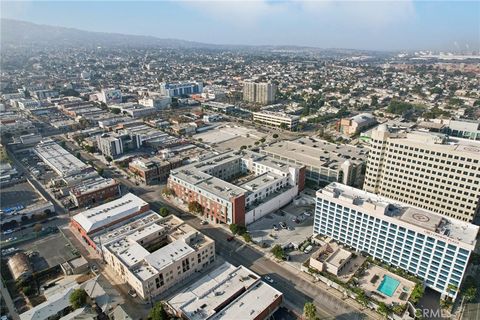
[{"x": 78, "y": 298}]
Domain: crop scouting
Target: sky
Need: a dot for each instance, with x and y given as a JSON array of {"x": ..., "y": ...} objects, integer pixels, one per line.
[{"x": 373, "y": 25}]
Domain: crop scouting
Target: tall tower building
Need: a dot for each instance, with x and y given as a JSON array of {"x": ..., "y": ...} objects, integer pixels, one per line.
[
  {"x": 427, "y": 170},
  {"x": 263, "y": 93}
]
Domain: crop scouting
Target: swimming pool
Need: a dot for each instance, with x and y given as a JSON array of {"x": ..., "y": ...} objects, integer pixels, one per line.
[{"x": 388, "y": 285}]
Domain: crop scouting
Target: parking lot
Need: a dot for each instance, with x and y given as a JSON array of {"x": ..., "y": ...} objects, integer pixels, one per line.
[
  {"x": 291, "y": 225},
  {"x": 52, "y": 251},
  {"x": 21, "y": 193}
]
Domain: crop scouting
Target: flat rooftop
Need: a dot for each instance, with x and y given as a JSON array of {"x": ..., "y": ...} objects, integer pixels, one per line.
[
  {"x": 58, "y": 158},
  {"x": 109, "y": 213},
  {"x": 125, "y": 242},
  {"x": 274, "y": 114},
  {"x": 198, "y": 173},
  {"x": 316, "y": 153},
  {"x": 228, "y": 292},
  {"x": 387, "y": 209},
  {"x": 92, "y": 185}
]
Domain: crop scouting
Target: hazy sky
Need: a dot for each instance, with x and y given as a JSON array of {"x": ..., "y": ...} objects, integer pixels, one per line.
[{"x": 383, "y": 25}]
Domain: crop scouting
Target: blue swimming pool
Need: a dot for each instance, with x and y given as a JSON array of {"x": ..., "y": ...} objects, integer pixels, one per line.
[{"x": 388, "y": 286}]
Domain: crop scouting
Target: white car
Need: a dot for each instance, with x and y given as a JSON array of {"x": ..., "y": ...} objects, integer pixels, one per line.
[
  {"x": 132, "y": 293},
  {"x": 204, "y": 222},
  {"x": 268, "y": 279},
  {"x": 307, "y": 213},
  {"x": 8, "y": 231}
]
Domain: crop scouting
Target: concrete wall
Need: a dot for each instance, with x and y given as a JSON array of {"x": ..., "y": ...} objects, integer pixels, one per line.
[{"x": 271, "y": 205}]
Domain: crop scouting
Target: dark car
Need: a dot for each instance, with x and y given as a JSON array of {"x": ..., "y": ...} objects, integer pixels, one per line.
[{"x": 230, "y": 238}]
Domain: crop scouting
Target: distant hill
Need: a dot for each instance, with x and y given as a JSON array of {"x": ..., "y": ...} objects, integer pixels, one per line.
[{"x": 26, "y": 34}]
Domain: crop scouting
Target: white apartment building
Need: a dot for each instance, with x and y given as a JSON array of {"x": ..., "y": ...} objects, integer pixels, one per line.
[
  {"x": 277, "y": 119},
  {"x": 427, "y": 170},
  {"x": 151, "y": 253},
  {"x": 434, "y": 248},
  {"x": 180, "y": 88},
  {"x": 263, "y": 93}
]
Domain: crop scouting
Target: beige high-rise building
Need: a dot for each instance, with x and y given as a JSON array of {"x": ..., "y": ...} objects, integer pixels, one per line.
[
  {"x": 427, "y": 170},
  {"x": 263, "y": 93}
]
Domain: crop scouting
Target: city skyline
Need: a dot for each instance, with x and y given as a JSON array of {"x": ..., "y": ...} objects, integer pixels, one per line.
[{"x": 375, "y": 25}]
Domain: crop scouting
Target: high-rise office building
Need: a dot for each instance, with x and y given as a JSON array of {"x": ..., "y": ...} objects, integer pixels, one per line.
[
  {"x": 433, "y": 247},
  {"x": 427, "y": 170},
  {"x": 263, "y": 93}
]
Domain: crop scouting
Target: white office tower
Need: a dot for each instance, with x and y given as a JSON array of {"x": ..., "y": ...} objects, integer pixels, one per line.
[
  {"x": 427, "y": 170},
  {"x": 426, "y": 244}
]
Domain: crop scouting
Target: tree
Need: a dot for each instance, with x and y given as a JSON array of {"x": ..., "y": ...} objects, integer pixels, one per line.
[
  {"x": 247, "y": 237},
  {"x": 100, "y": 171},
  {"x": 37, "y": 228},
  {"x": 310, "y": 311},
  {"x": 234, "y": 228},
  {"x": 195, "y": 207},
  {"x": 243, "y": 147},
  {"x": 470, "y": 294},
  {"x": 115, "y": 110},
  {"x": 275, "y": 136},
  {"x": 78, "y": 298},
  {"x": 384, "y": 309},
  {"x": 164, "y": 211},
  {"x": 168, "y": 191},
  {"x": 158, "y": 312},
  {"x": 108, "y": 158},
  {"x": 283, "y": 126},
  {"x": 362, "y": 298},
  {"x": 278, "y": 252}
]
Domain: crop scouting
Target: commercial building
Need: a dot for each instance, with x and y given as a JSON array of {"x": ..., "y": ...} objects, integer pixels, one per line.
[
  {"x": 157, "y": 102},
  {"x": 427, "y": 170},
  {"x": 180, "y": 88},
  {"x": 325, "y": 162},
  {"x": 463, "y": 129},
  {"x": 92, "y": 191},
  {"x": 135, "y": 110},
  {"x": 107, "y": 215},
  {"x": 219, "y": 107},
  {"x": 277, "y": 119},
  {"x": 110, "y": 96},
  {"x": 3, "y": 153},
  {"x": 429, "y": 245},
  {"x": 228, "y": 292},
  {"x": 58, "y": 159},
  {"x": 151, "y": 253},
  {"x": 154, "y": 169},
  {"x": 237, "y": 187},
  {"x": 263, "y": 92},
  {"x": 354, "y": 125}
]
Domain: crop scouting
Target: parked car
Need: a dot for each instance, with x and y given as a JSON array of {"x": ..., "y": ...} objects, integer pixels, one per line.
[
  {"x": 230, "y": 238},
  {"x": 283, "y": 225},
  {"x": 275, "y": 227},
  {"x": 268, "y": 279},
  {"x": 204, "y": 222},
  {"x": 307, "y": 213},
  {"x": 94, "y": 268},
  {"x": 290, "y": 228},
  {"x": 308, "y": 249},
  {"x": 8, "y": 231}
]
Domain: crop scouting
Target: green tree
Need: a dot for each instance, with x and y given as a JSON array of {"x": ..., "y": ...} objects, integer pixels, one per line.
[
  {"x": 243, "y": 147},
  {"x": 108, "y": 158},
  {"x": 195, "y": 207},
  {"x": 275, "y": 136},
  {"x": 100, "y": 171},
  {"x": 278, "y": 251},
  {"x": 247, "y": 237},
  {"x": 78, "y": 298},
  {"x": 234, "y": 228},
  {"x": 283, "y": 126},
  {"x": 115, "y": 110},
  {"x": 384, "y": 309},
  {"x": 310, "y": 311},
  {"x": 164, "y": 211},
  {"x": 158, "y": 312},
  {"x": 362, "y": 298},
  {"x": 470, "y": 294}
]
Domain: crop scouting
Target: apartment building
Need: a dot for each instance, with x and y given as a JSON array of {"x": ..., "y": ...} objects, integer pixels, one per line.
[
  {"x": 354, "y": 125},
  {"x": 427, "y": 170},
  {"x": 259, "y": 92},
  {"x": 325, "y": 162},
  {"x": 152, "y": 170},
  {"x": 277, "y": 119},
  {"x": 151, "y": 254},
  {"x": 237, "y": 187},
  {"x": 431, "y": 246},
  {"x": 180, "y": 88}
]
